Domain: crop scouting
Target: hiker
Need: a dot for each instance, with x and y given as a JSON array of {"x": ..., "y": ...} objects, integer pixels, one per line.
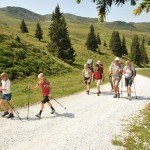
[
  {"x": 87, "y": 75},
  {"x": 45, "y": 86},
  {"x": 130, "y": 74},
  {"x": 116, "y": 72},
  {"x": 97, "y": 76},
  {"x": 101, "y": 67},
  {"x": 5, "y": 101},
  {"x": 90, "y": 64}
]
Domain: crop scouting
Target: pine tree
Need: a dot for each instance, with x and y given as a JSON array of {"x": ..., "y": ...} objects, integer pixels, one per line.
[
  {"x": 123, "y": 46},
  {"x": 135, "y": 54},
  {"x": 149, "y": 43},
  {"x": 38, "y": 32},
  {"x": 91, "y": 42},
  {"x": 144, "y": 58},
  {"x": 60, "y": 43},
  {"x": 98, "y": 39},
  {"x": 115, "y": 44},
  {"x": 105, "y": 44},
  {"x": 23, "y": 27},
  {"x": 111, "y": 43}
]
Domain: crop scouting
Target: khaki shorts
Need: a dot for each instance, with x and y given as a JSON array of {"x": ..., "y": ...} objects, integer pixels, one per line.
[{"x": 115, "y": 81}]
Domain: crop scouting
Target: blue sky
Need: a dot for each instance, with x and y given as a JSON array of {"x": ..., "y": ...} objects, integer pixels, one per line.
[{"x": 86, "y": 9}]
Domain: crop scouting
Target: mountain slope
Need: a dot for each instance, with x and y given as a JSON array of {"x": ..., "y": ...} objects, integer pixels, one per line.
[{"x": 22, "y": 13}]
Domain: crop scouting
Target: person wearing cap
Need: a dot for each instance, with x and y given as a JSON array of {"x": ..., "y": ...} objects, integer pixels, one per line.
[
  {"x": 116, "y": 72},
  {"x": 6, "y": 96},
  {"x": 130, "y": 73},
  {"x": 45, "y": 86}
]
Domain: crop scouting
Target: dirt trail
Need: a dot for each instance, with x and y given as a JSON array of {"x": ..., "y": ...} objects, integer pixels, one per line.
[{"x": 89, "y": 123}]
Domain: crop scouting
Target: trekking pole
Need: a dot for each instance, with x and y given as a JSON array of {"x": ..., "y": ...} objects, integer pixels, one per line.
[
  {"x": 28, "y": 103},
  {"x": 59, "y": 103},
  {"x": 121, "y": 86},
  {"x": 135, "y": 90},
  {"x": 15, "y": 111}
]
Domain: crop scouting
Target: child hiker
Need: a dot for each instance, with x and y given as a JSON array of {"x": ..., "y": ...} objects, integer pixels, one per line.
[
  {"x": 87, "y": 74},
  {"x": 5, "y": 101},
  {"x": 116, "y": 72},
  {"x": 130, "y": 74},
  {"x": 97, "y": 76},
  {"x": 45, "y": 86}
]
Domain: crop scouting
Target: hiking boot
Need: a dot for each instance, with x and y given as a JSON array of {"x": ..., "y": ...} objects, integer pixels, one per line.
[
  {"x": 10, "y": 116},
  {"x": 115, "y": 96},
  {"x": 5, "y": 113},
  {"x": 98, "y": 93},
  {"x": 53, "y": 111},
  {"x": 38, "y": 115},
  {"x": 129, "y": 97},
  {"x": 88, "y": 92},
  {"x": 118, "y": 96}
]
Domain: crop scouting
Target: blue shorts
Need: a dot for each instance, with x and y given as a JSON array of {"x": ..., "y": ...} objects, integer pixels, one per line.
[{"x": 6, "y": 97}]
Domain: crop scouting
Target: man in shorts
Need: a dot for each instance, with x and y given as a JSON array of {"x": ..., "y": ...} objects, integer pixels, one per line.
[{"x": 116, "y": 72}]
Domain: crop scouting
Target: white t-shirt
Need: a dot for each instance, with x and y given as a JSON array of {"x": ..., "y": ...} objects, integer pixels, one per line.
[
  {"x": 128, "y": 71},
  {"x": 6, "y": 85},
  {"x": 115, "y": 70}
]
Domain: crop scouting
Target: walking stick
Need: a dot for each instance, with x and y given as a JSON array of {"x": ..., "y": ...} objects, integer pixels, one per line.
[
  {"x": 28, "y": 104},
  {"x": 15, "y": 111},
  {"x": 135, "y": 90},
  {"x": 59, "y": 103}
]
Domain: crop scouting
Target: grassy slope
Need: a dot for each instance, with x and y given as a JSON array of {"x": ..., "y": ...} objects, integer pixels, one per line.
[{"x": 68, "y": 83}]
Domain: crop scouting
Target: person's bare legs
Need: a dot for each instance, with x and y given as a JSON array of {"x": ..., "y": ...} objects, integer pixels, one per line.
[
  {"x": 2, "y": 105},
  {"x": 51, "y": 106}
]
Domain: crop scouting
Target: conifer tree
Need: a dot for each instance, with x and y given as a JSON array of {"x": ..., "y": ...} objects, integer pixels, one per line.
[
  {"x": 60, "y": 42},
  {"x": 38, "y": 32},
  {"x": 135, "y": 54},
  {"x": 144, "y": 57},
  {"x": 23, "y": 27},
  {"x": 123, "y": 46},
  {"x": 149, "y": 43},
  {"x": 105, "y": 44},
  {"x": 115, "y": 44},
  {"x": 98, "y": 39},
  {"x": 91, "y": 42}
]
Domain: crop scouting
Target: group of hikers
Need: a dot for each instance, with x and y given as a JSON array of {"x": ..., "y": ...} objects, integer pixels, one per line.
[
  {"x": 89, "y": 74},
  {"x": 116, "y": 71}
]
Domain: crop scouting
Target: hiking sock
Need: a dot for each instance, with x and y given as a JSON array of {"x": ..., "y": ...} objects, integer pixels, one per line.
[
  {"x": 52, "y": 108},
  {"x": 40, "y": 112}
]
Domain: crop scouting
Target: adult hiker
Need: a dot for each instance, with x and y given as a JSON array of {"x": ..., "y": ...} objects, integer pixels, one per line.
[
  {"x": 130, "y": 74},
  {"x": 97, "y": 76},
  {"x": 90, "y": 64},
  {"x": 46, "y": 88},
  {"x": 101, "y": 67},
  {"x": 87, "y": 75},
  {"x": 5, "y": 101},
  {"x": 116, "y": 72}
]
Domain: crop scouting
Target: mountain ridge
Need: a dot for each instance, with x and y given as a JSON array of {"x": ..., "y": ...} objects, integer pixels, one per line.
[{"x": 22, "y": 13}]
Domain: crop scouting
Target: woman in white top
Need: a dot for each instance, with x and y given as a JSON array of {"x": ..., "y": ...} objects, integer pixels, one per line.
[
  {"x": 130, "y": 73},
  {"x": 6, "y": 96},
  {"x": 87, "y": 75}
]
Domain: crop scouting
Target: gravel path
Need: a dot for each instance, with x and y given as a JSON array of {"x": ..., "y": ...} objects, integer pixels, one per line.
[{"x": 89, "y": 123}]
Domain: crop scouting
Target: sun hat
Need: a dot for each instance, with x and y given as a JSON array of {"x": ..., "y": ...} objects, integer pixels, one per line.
[{"x": 117, "y": 59}]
